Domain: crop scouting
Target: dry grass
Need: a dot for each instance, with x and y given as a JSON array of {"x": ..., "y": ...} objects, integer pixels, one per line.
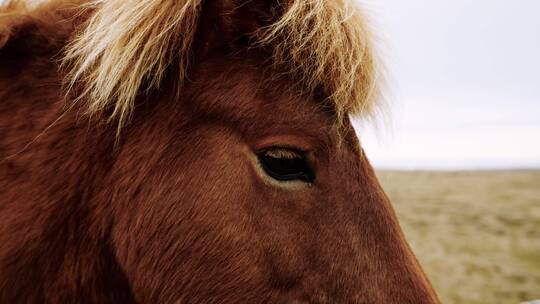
[{"x": 477, "y": 234}]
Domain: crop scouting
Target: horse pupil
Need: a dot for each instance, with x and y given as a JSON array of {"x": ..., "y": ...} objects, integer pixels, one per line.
[{"x": 286, "y": 169}]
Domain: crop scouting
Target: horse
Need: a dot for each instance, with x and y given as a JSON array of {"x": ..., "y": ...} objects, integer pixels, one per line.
[{"x": 189, "y": 151}]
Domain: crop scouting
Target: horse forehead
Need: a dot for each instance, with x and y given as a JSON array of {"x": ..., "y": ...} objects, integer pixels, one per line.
[{"x": 240, "y": 90}]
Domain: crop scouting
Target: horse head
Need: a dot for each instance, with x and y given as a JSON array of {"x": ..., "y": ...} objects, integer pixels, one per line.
[{"x": 195, "y": 152}]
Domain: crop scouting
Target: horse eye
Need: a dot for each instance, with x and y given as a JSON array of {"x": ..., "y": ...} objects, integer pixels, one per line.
[{"x": 286, "y": 165}]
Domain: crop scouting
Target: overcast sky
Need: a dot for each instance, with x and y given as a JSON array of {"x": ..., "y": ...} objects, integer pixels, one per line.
[{"x": 464, "y": 84}]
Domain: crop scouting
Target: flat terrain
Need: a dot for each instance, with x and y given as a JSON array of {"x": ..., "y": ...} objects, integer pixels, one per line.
[{"x": 477, "y": 234}]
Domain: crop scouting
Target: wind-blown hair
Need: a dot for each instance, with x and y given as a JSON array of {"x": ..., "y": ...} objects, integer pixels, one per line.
[{"x": 323, "y": 44}]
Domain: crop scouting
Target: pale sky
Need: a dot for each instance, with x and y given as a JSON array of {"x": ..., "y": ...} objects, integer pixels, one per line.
[{"x": 464, "y": 84}]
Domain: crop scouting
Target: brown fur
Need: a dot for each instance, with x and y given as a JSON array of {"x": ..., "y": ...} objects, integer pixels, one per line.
[{"x": 177, "y": 210}]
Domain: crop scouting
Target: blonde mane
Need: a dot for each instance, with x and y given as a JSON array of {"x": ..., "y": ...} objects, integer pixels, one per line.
[{"x": 324, "y": 44}]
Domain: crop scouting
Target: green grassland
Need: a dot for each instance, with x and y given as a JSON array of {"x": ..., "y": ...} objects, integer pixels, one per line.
[{"x": 477, "y": 234}]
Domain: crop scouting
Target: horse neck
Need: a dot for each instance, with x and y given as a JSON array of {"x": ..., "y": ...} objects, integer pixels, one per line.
[{"x": 44, "y": 196}]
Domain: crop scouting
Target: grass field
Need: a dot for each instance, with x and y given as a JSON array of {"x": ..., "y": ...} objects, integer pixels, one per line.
[{"x": 477, "y": 234}]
